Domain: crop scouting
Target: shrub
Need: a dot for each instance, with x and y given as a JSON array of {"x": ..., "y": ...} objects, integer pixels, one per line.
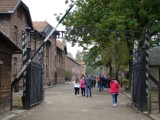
[
  {"x": 68, "y": 75},
  {"x": 125, "y": 83}
]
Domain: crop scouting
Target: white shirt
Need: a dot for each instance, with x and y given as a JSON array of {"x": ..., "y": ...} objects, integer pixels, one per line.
[{"x": 76, "y": 84}]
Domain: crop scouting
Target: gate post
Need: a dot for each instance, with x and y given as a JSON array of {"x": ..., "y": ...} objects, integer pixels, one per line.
[
  {"x": 26, "y": 84},
  {"x": 148, "y": 82},
  {"x": 135, "y": 49},
  {"x": 26, "y": 57}
]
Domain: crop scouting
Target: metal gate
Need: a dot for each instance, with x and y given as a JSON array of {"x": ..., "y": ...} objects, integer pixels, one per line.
[
  {"x": 139, "y": 79},
  {"x": 33, "y": 93}
]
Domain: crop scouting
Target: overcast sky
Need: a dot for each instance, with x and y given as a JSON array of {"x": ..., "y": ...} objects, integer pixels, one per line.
[{"x": 45, "y": 10}]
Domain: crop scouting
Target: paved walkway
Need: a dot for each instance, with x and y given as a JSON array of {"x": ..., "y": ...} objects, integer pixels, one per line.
[{"x": 61, "y": 104}]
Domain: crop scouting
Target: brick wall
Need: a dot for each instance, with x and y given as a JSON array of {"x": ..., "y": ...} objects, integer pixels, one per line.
[
  {"x": 52, "y": 61},
  {"x": 49, "y": 57},
  {"x": 75, "y": 68},
  {"x": 7, "y": 25},
  {"x": 5, "y": 78},
  {"x": 60, "y": 65}
]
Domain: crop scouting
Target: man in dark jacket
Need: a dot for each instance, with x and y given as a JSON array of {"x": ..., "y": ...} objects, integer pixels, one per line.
[{"x": 88, "y": 83}]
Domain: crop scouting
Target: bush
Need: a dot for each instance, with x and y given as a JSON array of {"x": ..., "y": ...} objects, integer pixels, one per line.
[
  {"x": 68, "y": 75},
  {"x": 125, "y": 83}
]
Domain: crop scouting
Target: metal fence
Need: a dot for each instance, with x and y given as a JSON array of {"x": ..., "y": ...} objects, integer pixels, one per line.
[
  {"x": 139, "y": 79},
  {"x": 33, "y": 93}
]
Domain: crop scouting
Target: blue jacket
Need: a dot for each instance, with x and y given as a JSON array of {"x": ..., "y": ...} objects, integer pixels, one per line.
[{"x": 88, "y": 82}]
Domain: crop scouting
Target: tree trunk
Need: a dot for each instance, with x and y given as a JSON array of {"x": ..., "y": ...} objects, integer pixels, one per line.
[{"x": 129, "y": 45}]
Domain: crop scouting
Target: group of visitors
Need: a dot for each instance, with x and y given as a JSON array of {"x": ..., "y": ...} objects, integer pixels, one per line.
[
  {"x": 103, "y": 82},
  {"x": 86, "y": 83}
]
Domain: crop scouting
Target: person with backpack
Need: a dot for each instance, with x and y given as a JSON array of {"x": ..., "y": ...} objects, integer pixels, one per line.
[{"x": 88, "y": 83}]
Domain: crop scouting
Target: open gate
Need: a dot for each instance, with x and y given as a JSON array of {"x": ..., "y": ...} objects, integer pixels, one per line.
[
  {"x": 33, "y": 92},
  {"x": 139, "y": 92},
  {"x": 32, "y": 83}
]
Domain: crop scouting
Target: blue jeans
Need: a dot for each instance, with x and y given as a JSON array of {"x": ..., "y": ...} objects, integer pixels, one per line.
[
  {"x": 88, "y": 89},
  {"x": 100, "y": 86},
  {"x": 114, "y": 98}
]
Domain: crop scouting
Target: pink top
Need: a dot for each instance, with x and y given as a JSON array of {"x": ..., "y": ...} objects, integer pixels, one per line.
[
  {"x": 114, "y": 87},
  {"x": 82, "y": 83}
]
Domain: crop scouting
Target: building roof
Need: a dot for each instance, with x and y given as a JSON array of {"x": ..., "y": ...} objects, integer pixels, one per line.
[
  {"x": 39, "y": 25},
  {"x": 60, "y": 45},
  {"x": 10, "y": 6},
  {"x": 74, "y": 60},
  {"x": 43, "y": 27},
  {"x": 11, "y": 45},
  {"x": 154, "y": 56}
]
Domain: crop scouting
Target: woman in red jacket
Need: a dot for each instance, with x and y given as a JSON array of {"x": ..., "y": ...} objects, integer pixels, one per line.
[{"x": 114, "y": 90}]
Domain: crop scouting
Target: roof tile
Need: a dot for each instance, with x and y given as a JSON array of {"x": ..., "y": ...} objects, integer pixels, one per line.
[
  {"x": 60, "y": 45},
  {"x": 39, "y": 25},
  {"x": 8, "y": 6}
]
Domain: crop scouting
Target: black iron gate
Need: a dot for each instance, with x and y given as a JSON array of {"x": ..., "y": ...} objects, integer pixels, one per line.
[
  {"x": 33, "y": 93},
  {"x": 139, "y": 92}
]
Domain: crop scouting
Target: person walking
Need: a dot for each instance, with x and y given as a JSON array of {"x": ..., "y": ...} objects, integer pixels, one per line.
[
  {"x": 76, "y": 84},
  {"x": 94, "y": 81},
  {"x": 114, "y": 90},
  {"x": 103, "y": 83},
  {"x": 108, "y": 82},
  {"x": 99, "y": 79},
  {"x": 82, "y": 85},
  {"x": 88, "y": 83}
]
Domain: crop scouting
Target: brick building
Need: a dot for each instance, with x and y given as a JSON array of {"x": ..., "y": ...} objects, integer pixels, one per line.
[
  {"x": 49, "y": 50},
  {"x": 60, "y": 62},
  {"x": 74, "y": 67},
  {"x": 14, "y": 18},
  {"x": 7, "y": 48}
]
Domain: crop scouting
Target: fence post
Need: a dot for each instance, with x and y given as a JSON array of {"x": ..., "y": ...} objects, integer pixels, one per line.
[
  {"x": 148, "y": 82},
  {"x": 159, "y": 91}
]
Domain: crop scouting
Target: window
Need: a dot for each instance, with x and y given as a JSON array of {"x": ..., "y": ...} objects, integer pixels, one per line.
[
  {"x": 57, "y": 56},
  {"x": 47, "y": 50},
  {"x": 15, "y": 34},
  {"x": 14, "y": 66},
  {"x": 46, "y": 71}
]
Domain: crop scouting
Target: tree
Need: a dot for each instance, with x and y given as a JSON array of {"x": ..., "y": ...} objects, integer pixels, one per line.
[
  {"x": 79, "y": 56},
  {"x": 92, "y": 71},
  {"x": 94, "y": 22}
]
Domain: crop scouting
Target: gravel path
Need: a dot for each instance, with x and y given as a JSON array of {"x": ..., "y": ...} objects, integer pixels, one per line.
[{"x": 61, "y": 104}]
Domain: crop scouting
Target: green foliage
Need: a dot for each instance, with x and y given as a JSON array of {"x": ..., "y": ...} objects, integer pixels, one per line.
[
  {"x": 125, "y": 83},
  {"x": 92, "y": 71},
  {"x": 68, "y": 75},
  {"x": 96, "y": 23},
  {"x": 79, "y": 56}
]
